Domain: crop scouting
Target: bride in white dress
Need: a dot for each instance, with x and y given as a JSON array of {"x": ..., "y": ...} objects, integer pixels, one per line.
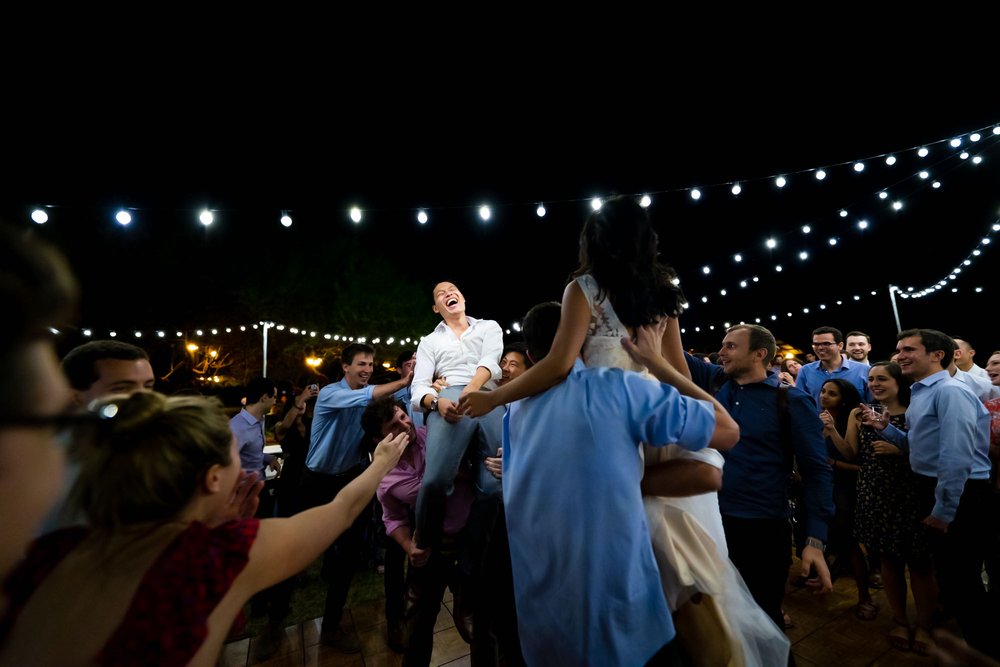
[{"x": 618, "y": 244}]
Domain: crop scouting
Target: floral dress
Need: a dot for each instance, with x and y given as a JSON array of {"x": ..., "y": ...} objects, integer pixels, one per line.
[{"x": 886, "y": 517}]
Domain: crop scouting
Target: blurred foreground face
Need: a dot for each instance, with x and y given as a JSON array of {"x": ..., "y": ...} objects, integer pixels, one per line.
[{"x": 32, "y": 462}]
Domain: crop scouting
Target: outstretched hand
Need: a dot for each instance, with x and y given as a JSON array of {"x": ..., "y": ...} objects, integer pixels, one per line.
[
  {"x": 243, "y": 501},
  {"x": 388, "y": 451}
]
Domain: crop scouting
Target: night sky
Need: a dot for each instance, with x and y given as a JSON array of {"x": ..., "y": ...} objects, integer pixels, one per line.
[{"x": 392, "y": 155}]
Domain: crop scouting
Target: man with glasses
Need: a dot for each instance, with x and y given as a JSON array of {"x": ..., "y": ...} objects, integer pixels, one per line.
[{"x": 831, "y": 364}]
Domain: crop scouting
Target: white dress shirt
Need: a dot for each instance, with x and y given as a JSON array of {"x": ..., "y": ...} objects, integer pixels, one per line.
[{"x": 443, "y": 354}]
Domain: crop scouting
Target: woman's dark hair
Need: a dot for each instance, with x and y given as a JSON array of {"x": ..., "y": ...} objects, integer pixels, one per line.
[
  {"x": 904, "y": 382},
  {"x": 618, "y": 247},
  {"x": 849, "y": 399}
]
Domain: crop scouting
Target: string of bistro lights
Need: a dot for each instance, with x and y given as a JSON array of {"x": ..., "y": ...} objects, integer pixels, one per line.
[
  {"x": 907, "y": 293},
  {"x": 164, "y": 333},
  {"x": 944, "y": 154},
  {"x": 922, "y": 180}
]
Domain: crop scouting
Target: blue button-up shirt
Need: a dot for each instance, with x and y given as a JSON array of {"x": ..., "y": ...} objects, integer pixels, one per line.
[
  {"x": 249, "y": 432},
  {"x": 812, "y": 376},
  {"x": 755, "y": 479},
  {"x": 948, "y": 437},
  {"x": 335, "y": 445},
  {"x": 586, "y": 582}
]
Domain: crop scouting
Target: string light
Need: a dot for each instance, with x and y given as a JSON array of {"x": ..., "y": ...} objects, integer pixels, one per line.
[
  {"x": 286, "y": 220},
  {"x": 645, "y": 201},
  {"x": 123, "y": 218},
  {"x": 355, "y": 214},
  {"x": 540, "y": 211},
  {"x": 39, "y": 216},
  {"x": 206, "y": 218}
]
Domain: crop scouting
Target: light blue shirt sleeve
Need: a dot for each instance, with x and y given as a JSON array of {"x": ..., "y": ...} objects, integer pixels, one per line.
[
  {"x": 958, "y": 438},
  {"x": 659, "y": 415},
  {"x": 338, "y": 396}
]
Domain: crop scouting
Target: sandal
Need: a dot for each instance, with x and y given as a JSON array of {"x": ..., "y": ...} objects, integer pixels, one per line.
[
  {"x": 899, "y": 636},
  {"x": 866, "y": 611},
  {"x": 923, "y": 642}
]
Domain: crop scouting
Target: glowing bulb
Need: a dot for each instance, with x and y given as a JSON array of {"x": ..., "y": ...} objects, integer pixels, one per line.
[
  {"x": 722, "y": 292},
  {"x": 706, "y": 270},
  {"x": 737, "y": 258},
  {"x": 996, "y": 130},
  {"x": 123, "y": 218},
  {"x": 695, "y": 194},
  {"x": 803, "y": 255},
  {"x": 862, "y": 224},
  {"x": 780, "y": 181},
  {"x": 883, "y": 195},
  {"x": 975, "y": 136},
  {"x": 964, "y": 155},
  {"x": 206, "y": 218},
  {"x": 286, "y": 220},
  {"x": 596, "y": 203},
  {"x": 891, "y": 160},
  {"x": 355, "y": 214},
  {"x": 897, "y": 205},
  {"x": 422, "y": 217},
  {"x": 87, "y": 332},
  {"x": 743, "y": 283},
  {"x": 843, "y": 213},
  {"x": 39, "y": 216},
  {"x": 955, "y": 143},
  {"x": 736, "y": 189},
  {"x": 704, "y": 299},
  {"x": 778, "y": 268},
  {"x": 820, "y": 175},
  {"x": 832, "y": 241},
  {"x": 924, "y": 175},
  {"x": 771, "y": 243},
  {"x": 967, "y": 262},
  {"x": 756, "y": 279},
  {"x": 138, "y": 334},
  {"x": 859, "y": 166},
  {"x": 645, "y": 201},
  {"x": 977, "y": 159},
  {"x": 936, "y": 184},
  {"x": 923, "y": 152},
  {"x": 540, "y": 211},
  {"x": 484, "y": 212},
  {"x": 979, "y": 289},
  {"x": 806, "y": 229}
]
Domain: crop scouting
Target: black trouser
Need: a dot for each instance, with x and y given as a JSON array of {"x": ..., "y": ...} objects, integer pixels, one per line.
[
  {"x": 394, "y": 566},
  {"x": 958, "y": 558},
  {"x": 341, "y": 559},
  {"x": 425, "y": 589},
  {"x": 761, "y": 550}
]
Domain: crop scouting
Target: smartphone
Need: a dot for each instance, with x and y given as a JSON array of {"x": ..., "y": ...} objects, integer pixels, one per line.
[{"x": 314, "y": 387}]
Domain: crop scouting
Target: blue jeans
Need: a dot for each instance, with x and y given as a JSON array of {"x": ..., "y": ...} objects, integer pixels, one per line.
[{"x": 446, "y": 445}]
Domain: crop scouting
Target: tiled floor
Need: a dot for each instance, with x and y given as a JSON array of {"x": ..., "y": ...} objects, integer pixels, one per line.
[{"x": 826, "y": 632}]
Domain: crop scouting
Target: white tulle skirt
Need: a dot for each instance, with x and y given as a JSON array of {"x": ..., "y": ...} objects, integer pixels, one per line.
[{"x": 690, "y": 563}]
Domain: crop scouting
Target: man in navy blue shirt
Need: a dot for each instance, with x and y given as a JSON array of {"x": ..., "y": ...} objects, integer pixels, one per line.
[{"x": 754, "y": 494}]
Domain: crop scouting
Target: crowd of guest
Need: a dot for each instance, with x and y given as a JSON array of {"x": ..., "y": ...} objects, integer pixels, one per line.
[{"x": 593, "y": 494}]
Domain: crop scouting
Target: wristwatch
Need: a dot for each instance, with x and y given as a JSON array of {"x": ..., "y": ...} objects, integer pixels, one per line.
[
  {"x": 434, "y": 404},
  {"x": 816, "y": 544}
]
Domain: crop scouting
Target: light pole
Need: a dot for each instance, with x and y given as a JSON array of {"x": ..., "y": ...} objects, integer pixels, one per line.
[
  {"x": 266, "y": 326},
  {"x": 895, "y": 310}
]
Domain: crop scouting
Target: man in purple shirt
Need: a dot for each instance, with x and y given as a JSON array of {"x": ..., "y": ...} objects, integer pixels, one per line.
[
  {"x": 248, "y": 426},
  {"x": 429, "y": 569}
]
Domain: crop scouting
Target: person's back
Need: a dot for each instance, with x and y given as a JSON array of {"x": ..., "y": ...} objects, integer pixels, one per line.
[{"x": 604, "y": 580}]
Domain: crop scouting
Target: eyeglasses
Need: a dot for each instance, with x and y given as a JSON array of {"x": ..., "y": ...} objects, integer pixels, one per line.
[
  {"x": 96, "y": 413},
  {"x": 824, "y": 344}
]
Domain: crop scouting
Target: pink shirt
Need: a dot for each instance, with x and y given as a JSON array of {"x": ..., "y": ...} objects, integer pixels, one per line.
[{"x": 397, "y": 492}]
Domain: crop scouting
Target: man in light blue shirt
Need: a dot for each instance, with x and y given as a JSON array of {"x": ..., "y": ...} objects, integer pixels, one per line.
[
  {"x": 586, "y": 582},
  {"x": 831, "y": 363},
  {"x": 336, "y": 456},
  {"x": 947, "y": 438}
]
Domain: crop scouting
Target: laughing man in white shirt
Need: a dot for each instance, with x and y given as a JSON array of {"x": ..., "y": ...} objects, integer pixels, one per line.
[{"x": 467, "y": 352}]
